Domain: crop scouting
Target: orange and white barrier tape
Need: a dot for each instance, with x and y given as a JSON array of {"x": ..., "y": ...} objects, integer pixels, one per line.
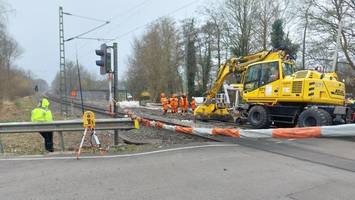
[{"x": 345, "y": 130}]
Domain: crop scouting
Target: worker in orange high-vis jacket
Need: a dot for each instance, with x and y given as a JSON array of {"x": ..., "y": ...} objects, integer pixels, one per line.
[
  {"x": 164, "y": 102},
  {"x": 193, "y": 104},
  {"x": 174, "y": 103},
  {"x": 184, "y": 103}
]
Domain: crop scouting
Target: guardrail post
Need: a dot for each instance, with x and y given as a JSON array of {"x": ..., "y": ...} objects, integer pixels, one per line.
[
  {"x": 115, "y": 138},
  {"x": 1, "y": 147},
  {"x": 61, "y": 136}
]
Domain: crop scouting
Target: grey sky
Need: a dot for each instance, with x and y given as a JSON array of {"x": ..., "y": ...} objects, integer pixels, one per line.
[{"x": 35, "y": 26}]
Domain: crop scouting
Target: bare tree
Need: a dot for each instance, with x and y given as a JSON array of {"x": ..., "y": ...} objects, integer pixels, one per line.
[
  {"x": 266, "y": 15},
  {"x": 154, "y": 64},
  {"x": 206, "y": 46},
  {"x": 9, "y": 52},
  {"x": 89, "y": 80},
  {"x": 241, "y": 16},
  {"x": 305, "y": 18},
  {"x": 326, "y": 18},
  {"x": 216, "y": 17}
]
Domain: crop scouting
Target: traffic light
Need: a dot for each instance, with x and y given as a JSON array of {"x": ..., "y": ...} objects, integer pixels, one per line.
[{"x": 105, "y": 59}]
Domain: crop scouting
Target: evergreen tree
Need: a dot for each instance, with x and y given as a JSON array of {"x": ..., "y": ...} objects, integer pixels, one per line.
[
  {"x": 191, "y": 63},
  {"x": 290, "y": 47},
  {"x": 277, "y": 34},
  {"x": 280, "y": 41}
]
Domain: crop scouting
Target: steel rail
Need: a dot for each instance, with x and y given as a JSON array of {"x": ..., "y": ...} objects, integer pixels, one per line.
[{"x": 96, "y": 109}]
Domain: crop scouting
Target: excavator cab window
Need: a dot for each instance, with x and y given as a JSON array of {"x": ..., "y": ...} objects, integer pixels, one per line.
[
  {"x": 270, "y": 73},
  {"x": 252, "y": 78},
  {"x": 288, "y": 69},
  {"x": 261, "y": 74}
]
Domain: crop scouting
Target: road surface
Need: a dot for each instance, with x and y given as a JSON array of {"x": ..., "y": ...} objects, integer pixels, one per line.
[{"x": 218, "y": 171}]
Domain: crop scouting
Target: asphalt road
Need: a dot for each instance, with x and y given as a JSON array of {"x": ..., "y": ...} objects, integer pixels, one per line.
[{"x": 211, "y": 172}]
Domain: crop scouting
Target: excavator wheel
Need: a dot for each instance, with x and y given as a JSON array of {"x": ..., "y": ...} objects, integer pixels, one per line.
[
  {"x": 258, "y": 117},
  {"x": 314, "y": 117},
  {"x": 328, "y": 116}
]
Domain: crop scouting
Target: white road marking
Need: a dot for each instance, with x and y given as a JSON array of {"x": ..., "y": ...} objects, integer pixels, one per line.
[{"x": 117, "y": 156}]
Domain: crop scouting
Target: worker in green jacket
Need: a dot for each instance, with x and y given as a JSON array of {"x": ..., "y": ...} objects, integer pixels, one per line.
[{"x": 43, "y": 114}]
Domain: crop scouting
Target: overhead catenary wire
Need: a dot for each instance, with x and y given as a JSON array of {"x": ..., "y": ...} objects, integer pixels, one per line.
[
  {"x": 87, "y": 53},
  {"x": 84, "y": 17},
  {"x": 86, "y": 32},
  {"x": 93, "y": 38},
  {"x": 145, "y": 24},
  {"x": 131, "y": 11},
  {"x": 90, "y": 30}
]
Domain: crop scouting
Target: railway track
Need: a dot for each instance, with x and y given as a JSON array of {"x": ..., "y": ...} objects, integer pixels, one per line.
[
  {"x": 104, "y": 111},
  {"x": 118, "y": 114},
  {"x": 93, "y": 108}
]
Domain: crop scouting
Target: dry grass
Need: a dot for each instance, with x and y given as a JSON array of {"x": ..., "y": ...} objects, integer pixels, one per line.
[{"x": 19, "y": 111}]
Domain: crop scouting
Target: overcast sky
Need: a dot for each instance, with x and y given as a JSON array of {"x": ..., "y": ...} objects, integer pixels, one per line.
[{"x": 34, "y": 25}]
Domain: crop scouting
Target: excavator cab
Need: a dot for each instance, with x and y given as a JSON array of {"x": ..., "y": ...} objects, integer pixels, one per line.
[{"x": 263, "y": 80}]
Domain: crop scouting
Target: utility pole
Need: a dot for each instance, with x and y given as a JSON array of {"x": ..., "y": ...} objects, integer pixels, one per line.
[
  {"x": 115, "y": 82},
  {"x": 81, "y": 90},
  {"x": 63, "y": 85}
]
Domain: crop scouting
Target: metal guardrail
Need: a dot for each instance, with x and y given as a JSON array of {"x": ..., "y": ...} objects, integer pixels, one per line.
[
  {"x": 63, "y": 126},
  {"x": 67, "y": 125}
]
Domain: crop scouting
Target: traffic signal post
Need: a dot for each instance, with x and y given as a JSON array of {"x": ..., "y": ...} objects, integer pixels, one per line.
[
  {"x": 105, "y": 59},
  {"x": 105, "y": 68}
]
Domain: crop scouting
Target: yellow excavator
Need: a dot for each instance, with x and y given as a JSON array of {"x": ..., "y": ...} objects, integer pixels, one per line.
[{"x": 273, "y": 93}]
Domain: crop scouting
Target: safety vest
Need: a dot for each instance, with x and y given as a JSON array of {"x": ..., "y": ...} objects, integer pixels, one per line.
[
  {"x": 176, "y": 101},
  {"x": 164, "y": 102},
  {"x": 183, "y": 102},
  {"x": 42, "y": 113}
]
